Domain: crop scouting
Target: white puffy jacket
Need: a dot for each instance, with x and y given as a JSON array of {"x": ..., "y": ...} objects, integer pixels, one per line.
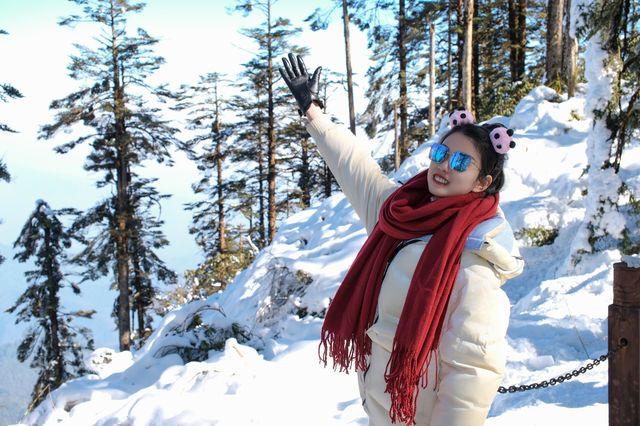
[{"x": 470, "y": 358}]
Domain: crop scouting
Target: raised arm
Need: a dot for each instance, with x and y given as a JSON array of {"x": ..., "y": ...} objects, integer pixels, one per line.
[{"x": 357, "y": 173}]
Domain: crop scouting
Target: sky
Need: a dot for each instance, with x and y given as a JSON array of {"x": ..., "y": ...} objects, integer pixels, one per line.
[{"x": 195, "y": 37}]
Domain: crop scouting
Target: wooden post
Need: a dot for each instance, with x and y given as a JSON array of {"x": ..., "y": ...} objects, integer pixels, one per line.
[
  {"x": 396, "y": 143},
  {"x": 624, "y": 365}
]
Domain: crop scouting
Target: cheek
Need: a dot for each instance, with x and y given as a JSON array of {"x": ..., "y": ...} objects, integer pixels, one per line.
[{"x": 467, "y": 179}]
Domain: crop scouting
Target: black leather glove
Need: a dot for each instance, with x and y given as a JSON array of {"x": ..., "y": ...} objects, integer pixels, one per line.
[{"x": 303, "y": 88}]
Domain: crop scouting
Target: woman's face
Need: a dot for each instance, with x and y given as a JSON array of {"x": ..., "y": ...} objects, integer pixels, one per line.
[{"x": 446, "y": 182}]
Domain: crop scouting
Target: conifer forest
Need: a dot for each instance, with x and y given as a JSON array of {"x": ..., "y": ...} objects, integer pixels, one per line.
[{"x": 256, "y": 163}]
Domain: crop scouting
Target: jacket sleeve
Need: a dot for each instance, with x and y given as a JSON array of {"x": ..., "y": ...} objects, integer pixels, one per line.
[
  {"x": 357, "y": 173},
  {"x": 472, "y": 348}
]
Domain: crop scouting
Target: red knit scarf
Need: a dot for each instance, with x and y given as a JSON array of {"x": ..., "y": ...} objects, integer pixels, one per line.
[{"x": 407, "y": 213}]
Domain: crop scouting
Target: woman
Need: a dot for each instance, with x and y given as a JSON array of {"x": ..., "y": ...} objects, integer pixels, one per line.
[{"x": 420, "y": 312}]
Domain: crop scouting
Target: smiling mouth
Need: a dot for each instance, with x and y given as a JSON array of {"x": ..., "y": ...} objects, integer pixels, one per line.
[{"x": 439, "y": 179}]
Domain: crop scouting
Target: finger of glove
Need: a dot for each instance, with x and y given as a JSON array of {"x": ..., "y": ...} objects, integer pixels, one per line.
[
  {"x": 314, "y": 83},
  {"x": 287, "y": 67},
  {"x": 302, "y": 67},
  {"x": 285, "y": 77},
  {"x": 294, "y": 65}
]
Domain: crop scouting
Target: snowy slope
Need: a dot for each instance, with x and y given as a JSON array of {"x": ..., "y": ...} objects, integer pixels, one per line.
[{"x": 268, "y": 372}]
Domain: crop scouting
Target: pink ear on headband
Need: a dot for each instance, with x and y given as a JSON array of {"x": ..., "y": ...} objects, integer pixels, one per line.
[
  {"x": 501, "y": 139},
  {"x": 460, "y": 117}
]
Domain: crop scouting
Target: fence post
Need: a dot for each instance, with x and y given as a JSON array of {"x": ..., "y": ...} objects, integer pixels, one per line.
[{"x": 624, "y": 365}]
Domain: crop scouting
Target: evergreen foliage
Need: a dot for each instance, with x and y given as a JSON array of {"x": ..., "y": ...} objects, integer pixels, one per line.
[
  {"x": 195, "y": 338},
  {"x": 208, "y": 149},
  {"x": 123, "y": 128},
  {"x": 145, "y": 238},
  {"x": 272, "y": 37},
  {"x": 7, "y": 91},
  {"x": 215, "y": 273},
  {"x": 53, "y": 344},
  {"x": 395, "y": 32},
  {"x": 250, "y": 148},
  {"x": 615, "y": 27}
]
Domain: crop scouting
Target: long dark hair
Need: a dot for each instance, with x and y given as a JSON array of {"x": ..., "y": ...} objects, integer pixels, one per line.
[{"x": 492, "y": 161}]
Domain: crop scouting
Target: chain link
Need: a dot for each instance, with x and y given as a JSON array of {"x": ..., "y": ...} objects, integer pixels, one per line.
[{"x": 575, "y": 373}]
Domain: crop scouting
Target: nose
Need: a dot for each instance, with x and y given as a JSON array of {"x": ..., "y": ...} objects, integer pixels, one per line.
[{"x": 445, "y": 165}]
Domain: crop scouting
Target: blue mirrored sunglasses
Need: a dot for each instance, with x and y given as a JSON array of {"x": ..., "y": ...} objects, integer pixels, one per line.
[{"x": 458, "y": 161}]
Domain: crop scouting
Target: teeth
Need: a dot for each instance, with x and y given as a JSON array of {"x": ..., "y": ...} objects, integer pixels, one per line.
[{"x": 440, "y": 180}]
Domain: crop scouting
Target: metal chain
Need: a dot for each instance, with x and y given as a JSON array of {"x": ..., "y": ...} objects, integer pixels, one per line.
[{"x": 575, "y": 373}]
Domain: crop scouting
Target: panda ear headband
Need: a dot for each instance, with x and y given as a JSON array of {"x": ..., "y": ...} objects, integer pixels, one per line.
[{"x": 500, "y": 136}]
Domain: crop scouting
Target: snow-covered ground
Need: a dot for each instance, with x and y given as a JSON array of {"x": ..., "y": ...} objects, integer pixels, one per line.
[{"x": 268, "y": 324}]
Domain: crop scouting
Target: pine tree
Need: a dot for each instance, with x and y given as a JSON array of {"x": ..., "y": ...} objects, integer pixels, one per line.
[
  {"x": 7, "y": 91},
  {"x": 52, "y": 341},
  {"x": 517, "y": 38},
  {"x": 125, "y": 128},
  {"x": 249, "y": 182},
  {"x": 467, "y": 54},
  {"x": 272, "y": 38},
  {"x": 320, "y": 21},
  {"x": 306, "y": 167},
  {"x": 208, "y": 148},
  {"x": 496, "y": 91},
  {"x": 613, "y": 206},
  {"x": 569, "y": 52},
  {"x": 145, "y": 237},
  {"x": 223, "y": 253},
  {"x": 555, "y": 12},
  {"x": 146, "y": 266},
  {"x": 400, "y": 45}
]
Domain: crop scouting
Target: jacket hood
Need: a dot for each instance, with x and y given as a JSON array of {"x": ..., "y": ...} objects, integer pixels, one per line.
[{"x": 493, "y": 240}]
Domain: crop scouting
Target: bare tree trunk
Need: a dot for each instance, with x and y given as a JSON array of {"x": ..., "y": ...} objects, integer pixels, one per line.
[
  {"x": 459, "y": 51},
  {"x": 449, "y": 59},
  {"x": 53, "y": 304},
  {"x": 305, "y": 174},
  {"x": 262, "y": 229},
  {"x": 432, "y": 80},
  {"x": 138, "y": 298},
  {"x": 475, "y": 60},
  {"x": 467, "y": 56},
  {"x": 347, "y": 49},
  {"x": 271, "y": 153},
  {"x": 222, "y": 243},
  {"x": 554, "y": 41},
  {"x": 517, "y": 38},
  {"x": 513, "y": 43},
  {"x": 396, "y": 142},
  {"x": 569, "y": 57},
  {"x": 327, "y": 180},
  {"x": 521, "y": 38},
  {"x": 402, "y": 56},
  {"x": 122, "y": 197}
]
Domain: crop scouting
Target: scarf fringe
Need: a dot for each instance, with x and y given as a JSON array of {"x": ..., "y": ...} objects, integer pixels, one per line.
[
  {"x": 405, "y": 375},
  {"x": 344, "y": 351}
]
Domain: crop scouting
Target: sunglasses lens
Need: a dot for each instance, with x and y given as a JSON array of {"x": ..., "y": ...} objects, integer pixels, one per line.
[
  {"x": 460, "y": 161},
  {"x": 438, "y": 152}
]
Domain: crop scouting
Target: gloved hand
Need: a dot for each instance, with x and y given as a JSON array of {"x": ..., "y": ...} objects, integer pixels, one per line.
[{"x": 303, "y": 88}]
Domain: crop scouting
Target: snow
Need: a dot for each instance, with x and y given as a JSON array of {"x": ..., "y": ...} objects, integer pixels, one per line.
[
  {"x": 603, "y": 183},
  {"x": 632, "y": 261},
  {"x": 558, "y": 316}
]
